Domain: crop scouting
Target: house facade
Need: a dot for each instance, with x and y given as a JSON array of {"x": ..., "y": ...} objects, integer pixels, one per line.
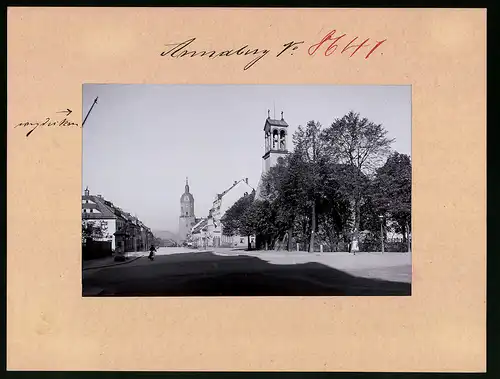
[
  {"x": 125, "y": 232},
  {"x": 96, "y": 212}
]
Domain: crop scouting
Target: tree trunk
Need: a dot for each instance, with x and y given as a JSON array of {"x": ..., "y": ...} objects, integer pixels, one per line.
[
  {"x": 290, "y": 231},
  {"x": 355, "y": 233},
  {"x": 249, "y": 244},
  {"x": 408, "y": 238},
  {"x": 313, "y": 228}
]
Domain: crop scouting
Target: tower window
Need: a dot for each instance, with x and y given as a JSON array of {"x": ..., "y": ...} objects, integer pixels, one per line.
[{"x": 186, "y": 213}]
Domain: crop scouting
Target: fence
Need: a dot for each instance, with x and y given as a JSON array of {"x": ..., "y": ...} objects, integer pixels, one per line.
[{"x": 366, "y": 246}]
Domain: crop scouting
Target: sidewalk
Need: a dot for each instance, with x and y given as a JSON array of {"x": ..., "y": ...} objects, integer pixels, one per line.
[{"x": 110, "y": 261}]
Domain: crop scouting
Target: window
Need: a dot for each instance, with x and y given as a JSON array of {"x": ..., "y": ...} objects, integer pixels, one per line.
[
  {"x": 242, "y": 240},
  {"x": 186, "y": 213}
]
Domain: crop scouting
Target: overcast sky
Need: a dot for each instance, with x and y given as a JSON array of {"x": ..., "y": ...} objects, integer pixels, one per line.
[{"x": 141, "y": 141}]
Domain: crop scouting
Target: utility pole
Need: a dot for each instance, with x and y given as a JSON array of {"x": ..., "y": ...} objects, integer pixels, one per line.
[{"x": 90, "y": 110}]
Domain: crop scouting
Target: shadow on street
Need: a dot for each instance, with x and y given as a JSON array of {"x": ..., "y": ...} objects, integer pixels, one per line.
[{"x": 207, "y": 274}]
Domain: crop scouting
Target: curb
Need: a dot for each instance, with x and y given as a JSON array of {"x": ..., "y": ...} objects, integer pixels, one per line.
[{"x": 113, "y": 264}]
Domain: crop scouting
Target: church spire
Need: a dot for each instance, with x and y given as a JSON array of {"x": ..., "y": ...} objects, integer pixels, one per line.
[{"x": 186, "y": 188}]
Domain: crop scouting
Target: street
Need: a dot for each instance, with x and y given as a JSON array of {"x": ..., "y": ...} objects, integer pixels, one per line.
[{"x": 225, "y": 272}]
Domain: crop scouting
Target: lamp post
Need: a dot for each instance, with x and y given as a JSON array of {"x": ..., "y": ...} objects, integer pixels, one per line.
[{"x": 382, "y": 231}]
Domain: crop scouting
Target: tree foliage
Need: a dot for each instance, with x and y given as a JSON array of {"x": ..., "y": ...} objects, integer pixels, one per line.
[
  {"x": 391, "y": 191},
  {"x": 232, "y": 221},
  {"x": 333, "y": 185},
  {"x": 94, "y": 230}
]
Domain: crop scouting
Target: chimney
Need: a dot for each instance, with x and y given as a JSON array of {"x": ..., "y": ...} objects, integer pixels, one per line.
[
  {"x": 246, "y": 180},
  {"x": 282, "y": 115},
  {"x": 235, "y": 182},
  {"x": 268, "y": 114}
]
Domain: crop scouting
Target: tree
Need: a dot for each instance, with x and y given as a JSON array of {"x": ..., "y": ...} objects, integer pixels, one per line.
[
  {"x": 308, "y": 156},
  {"x": 260, "y": 219},
  {"x": 334, "y": 215},
  {"x": 94, "y": 230},
  {"x": 283, "y": 192},
  {"x": 391, "y": 192},
  {"x": 361, "y": 145},
  {"x": 232, "y": 221}
]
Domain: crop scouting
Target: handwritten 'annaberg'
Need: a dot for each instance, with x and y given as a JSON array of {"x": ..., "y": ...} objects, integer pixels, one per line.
[{"x": 178, "y": 50}]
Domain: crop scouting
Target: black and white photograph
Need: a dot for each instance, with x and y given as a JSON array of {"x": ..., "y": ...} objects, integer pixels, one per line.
[{"x": 246, "y": 190}]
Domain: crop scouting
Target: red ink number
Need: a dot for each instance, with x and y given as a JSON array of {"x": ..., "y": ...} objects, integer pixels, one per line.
[{"x": 332, "y": 47}]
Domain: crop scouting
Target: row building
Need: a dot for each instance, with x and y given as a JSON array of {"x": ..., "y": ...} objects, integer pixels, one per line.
[{"x": 108, "y": 229}]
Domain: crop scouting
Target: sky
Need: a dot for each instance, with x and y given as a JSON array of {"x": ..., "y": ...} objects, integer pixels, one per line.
[{"x": 141, "y": 141}]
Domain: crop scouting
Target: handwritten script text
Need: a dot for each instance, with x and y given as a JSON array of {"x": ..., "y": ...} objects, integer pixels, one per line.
[
  {"x": 329, "y": 44},
  {"x": 48, "y": 122}
]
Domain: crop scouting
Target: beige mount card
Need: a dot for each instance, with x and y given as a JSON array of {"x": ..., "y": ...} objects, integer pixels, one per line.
[{"x": 441, "y": 53}]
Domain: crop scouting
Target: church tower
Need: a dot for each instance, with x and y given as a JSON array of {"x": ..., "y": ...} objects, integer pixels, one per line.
[
  {"x": 275, "y": 145},
  {"x": 186, "y": 219}
]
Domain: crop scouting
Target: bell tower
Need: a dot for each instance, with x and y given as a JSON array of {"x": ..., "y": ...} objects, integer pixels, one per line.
[
  {"x": 275, "y": 145},
  {"x": 275, "y": 141}
]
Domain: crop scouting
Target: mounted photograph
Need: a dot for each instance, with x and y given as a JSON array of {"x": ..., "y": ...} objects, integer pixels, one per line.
[{"x": 246, "y": 190}]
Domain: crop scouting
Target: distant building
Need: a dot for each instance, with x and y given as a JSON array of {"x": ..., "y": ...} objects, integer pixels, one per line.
[
  {"x": 212, "y": 231},
  {"x": 199, "y": 234},
  {"x": 275, "y": 146},
  {"x": 187, "y": 219}
]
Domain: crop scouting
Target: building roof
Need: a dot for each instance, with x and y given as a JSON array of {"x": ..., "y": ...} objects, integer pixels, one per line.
[
  {"x": 187, "y": 197},
  {"x": 107, "y": 210},
  {"x": 221, "y": 195},
  {"x": 198, "y": 227},
  {"x": 273, "y": 122},
  {"x": 98, "y": 204}
]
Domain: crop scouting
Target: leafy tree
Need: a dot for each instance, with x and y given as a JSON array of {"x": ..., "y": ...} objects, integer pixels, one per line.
[
  {"x": 94, "y": 230},
  {"x": 282, "y": 188},
  {"x": 260, "y": 219},
  {"x": 360, "y": 145},
  {"x": 233, "y": 220},
  {"x": 308, "y": 158},
  {"x": 334, "y": 215},
  {"x": 391, "y": 191}
]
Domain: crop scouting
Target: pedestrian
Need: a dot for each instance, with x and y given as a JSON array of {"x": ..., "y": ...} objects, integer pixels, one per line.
[{"x": 152, "y": 251}]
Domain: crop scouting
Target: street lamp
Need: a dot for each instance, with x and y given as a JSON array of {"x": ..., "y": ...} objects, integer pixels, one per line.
[{"x": 382, "y": 231}]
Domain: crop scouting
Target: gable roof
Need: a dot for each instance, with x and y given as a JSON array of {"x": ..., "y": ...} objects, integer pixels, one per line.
[
  {"x": 199, "y": 226},
  {"x": 105, "y": 212},
  {"x": 221, "y": 195}
]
